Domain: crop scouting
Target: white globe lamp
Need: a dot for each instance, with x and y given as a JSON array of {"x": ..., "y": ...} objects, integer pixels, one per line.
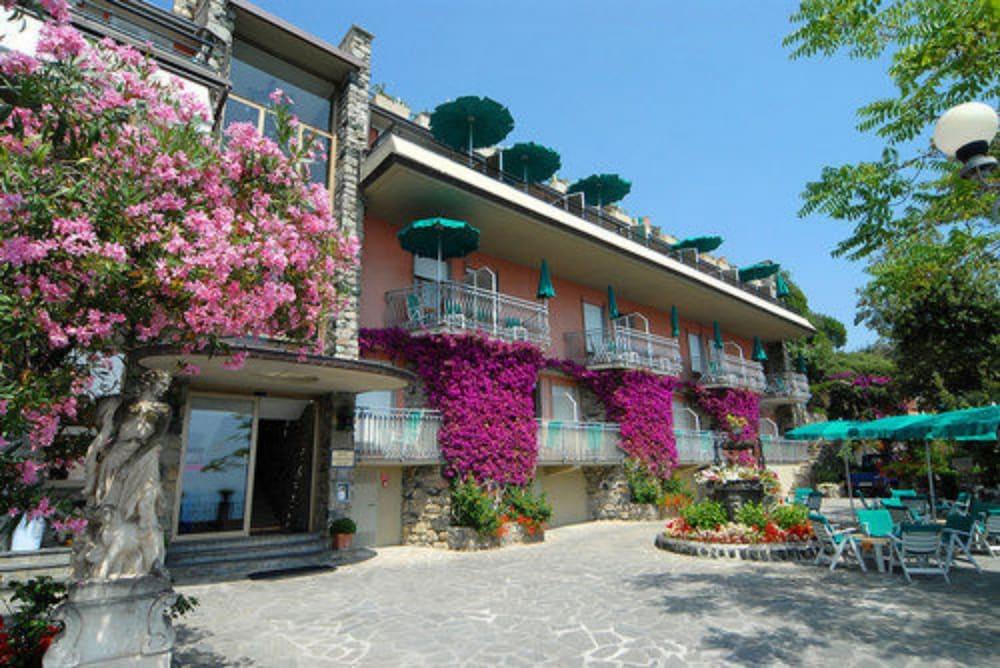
[{"x": 964, "y": 133}]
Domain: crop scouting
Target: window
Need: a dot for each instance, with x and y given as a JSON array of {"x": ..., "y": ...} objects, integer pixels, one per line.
[
  {"x": 430, "y": 269},
  {"x": 565, "y": 403},
  {"x": 695, "y": 351},
  {"x": 376, "y": 400},
  {"x": 255, "y": 74},
  {"x": 593, "y": 326}
]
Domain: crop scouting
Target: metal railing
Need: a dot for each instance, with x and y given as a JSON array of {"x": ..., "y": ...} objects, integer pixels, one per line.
[
  {"x": 788, "y": 384},
  {"x": 457, "y": 307},
  {"x": 566, "y": 442},
  {"x": 726, "y": 370},
  {"x": 695, "y": 447},
  {"x": 628, "y": 348},
  {"x": 397, "y": 434},
  {"x": 784, "y": 451},
  {"x": 490, "y": 167}
]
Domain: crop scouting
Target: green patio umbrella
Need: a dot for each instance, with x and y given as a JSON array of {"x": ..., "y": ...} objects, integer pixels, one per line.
[
  {"x": 781, "y": 286},
  {"x": 471, "y": 122},
  {"x": 970, "y": 424},
  {"x": 601, "y": 189},
  {"x": 717, "y": 335},
  {"x": 530, "y": 162},
  {"x": 700, "y": 244},
  {"x": 612, "y": 304},
  {"x": 439, "y": 237},
  {"x": 884, "y": 428},
  {"x": 758, "y": 271},
  {"x": 675, "y": 322},
  {"x": 834, "y": 430},
  {"x": 545, "y": 289},
  {"x": 759, "y": 354},
  {"x": 800, "y": 363}
]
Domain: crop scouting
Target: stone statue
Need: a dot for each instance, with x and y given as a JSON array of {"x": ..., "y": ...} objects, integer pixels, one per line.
[{"x": 122, "y": 488}]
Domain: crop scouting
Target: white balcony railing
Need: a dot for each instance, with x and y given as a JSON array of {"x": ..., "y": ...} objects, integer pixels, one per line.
[
  {"x": 622, "y": 347},
  {"x": 397, "y": 434},
  {"x": 784, "y": 451},
  {"x": 457, "y": 307},
  {"x": 695, "y": 447},
  {"x": 788, "y": 385},
  {"x": 726, "y": 370},
  {"x": 566, "y": 442}
]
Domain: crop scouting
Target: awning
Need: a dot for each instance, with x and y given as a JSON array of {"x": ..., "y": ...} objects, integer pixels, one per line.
[{"x": 834, "y": 430}]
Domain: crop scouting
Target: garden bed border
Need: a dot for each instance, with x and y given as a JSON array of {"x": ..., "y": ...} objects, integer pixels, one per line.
[{"x": 793, "y": 551}]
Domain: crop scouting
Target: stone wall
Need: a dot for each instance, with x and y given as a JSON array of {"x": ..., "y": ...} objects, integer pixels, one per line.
[
  {"x": 336, "y": 434},
  {"x": 609, "y": 498},
  {"x": 426, "y": 506}
]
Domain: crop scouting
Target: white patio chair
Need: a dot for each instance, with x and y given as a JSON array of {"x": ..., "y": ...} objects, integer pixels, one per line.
[
  {"x": 920, "y": 550},
  {"x": 835, "y": 544},
  {"x": 960, "y": 536}
]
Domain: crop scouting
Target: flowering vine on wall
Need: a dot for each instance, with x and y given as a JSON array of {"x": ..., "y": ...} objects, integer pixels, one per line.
[
  {"x": 485, "y": 392},
  {"x": 734, "y": 411}
]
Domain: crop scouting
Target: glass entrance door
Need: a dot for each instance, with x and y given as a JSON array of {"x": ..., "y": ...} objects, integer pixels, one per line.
[{"x": 217, "y": 462}]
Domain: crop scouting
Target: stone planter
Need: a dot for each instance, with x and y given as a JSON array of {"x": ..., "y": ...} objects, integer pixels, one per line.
[
  {"x": 342, "y": 541},
  {"x": 734, "y": 494},
  {"x": 795, "y": 551},
  {"x": 466, "y": 539}
]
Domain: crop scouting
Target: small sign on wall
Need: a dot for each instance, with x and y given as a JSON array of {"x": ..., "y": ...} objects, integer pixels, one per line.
[{"x": 342, "y": 458}]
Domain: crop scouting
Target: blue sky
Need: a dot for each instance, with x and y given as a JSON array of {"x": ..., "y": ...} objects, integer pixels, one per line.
[{"x": 696, "y": 103}]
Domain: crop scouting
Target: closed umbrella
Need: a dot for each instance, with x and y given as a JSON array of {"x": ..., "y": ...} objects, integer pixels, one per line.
[
  {"x": 700, "y": 244},
  {"x": 601, "y": 189},
  {"x": 781, "y": 286},
  {"x": 800, "y": 363},
  {"x": 531, "y": 162},
  {"x": 612, "y": 304},
  {"x": 545, "y": 289},
  {"x": 716, "y": 334},
  {"x": 759, "y": 354},
  {"x": 675, "y": 322},
  {"x": 758, "y": 271},
  {"x": 471, "y": 122}
]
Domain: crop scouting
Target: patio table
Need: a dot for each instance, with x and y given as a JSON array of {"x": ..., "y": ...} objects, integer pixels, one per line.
[{"x": 880, "y": 546}]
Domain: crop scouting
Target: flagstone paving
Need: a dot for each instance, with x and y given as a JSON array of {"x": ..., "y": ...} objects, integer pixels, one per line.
[{"x": 598, "y": 595}]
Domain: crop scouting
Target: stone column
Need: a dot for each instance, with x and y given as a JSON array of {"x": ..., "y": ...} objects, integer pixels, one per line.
[
  {"x": 337, "y": 421},
  {"x": 352, "y": 142}
]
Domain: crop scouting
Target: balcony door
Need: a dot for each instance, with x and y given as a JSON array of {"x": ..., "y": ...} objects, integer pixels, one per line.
[{"x": 593, "y": 327}]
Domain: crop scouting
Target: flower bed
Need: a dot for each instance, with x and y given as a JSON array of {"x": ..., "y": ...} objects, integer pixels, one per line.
[{"x": 735, "y": 533}]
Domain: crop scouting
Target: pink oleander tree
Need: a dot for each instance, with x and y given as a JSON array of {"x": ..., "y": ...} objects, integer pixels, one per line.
[{"x": 124, "y": 223}]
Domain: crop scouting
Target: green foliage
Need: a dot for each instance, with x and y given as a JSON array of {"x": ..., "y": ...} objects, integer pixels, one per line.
[
  {"x": 182, "y": 605},
  {"x": 343, "y": 525},
  {"x": 831, "y": 328},
  {"x": 704, "y": 515},
  {"x": 675, "y": 485},
  {"x": 788, "y": 516},
  {"x": 752, "y": 514},
  {"x": 642, "y": 485},
  {"x": 472, "y": 506},
  {"x": 521, "y": 501},
  {"x": 30, "y": 624},
  {"x": 943, "y": 52}
]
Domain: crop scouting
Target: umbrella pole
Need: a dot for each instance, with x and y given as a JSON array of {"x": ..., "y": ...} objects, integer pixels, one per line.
[
  {"x": 438, "y": 273},
  {"x": 847, "y": 479},
  {"x": 930, "y": 477}
]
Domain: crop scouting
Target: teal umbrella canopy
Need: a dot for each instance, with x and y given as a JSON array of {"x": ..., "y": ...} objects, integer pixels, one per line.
[
  {"x": 834, "y": 430},
  {"x": 716, "y": 335},
  {"x": 760, "y": 270},
  {"x": 531, "y": 162},
  {"x": 759, "y": 354},
  {"x": 675, "y": 322},
  {"x": 885, "y": 428},
  {"x": 970, "y": 424},
  {"x": 700, "y": 244},
  {"x": 601, "y": 189},
  {"x": 612, "y": 304},
  {"x": 545, "y": 289},
  {"x": 471, "y": 122},
  {"x": 781, "y": 286},
  {"x": 442, "y": 238}
]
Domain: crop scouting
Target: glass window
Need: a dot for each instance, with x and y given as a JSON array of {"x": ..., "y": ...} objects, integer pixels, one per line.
[
  {"x": 593, "y": 326},
  {"x": 255, "y": 74},
  {"x": 376, "y": 400},
  {"x": 695, "y": 351},
  {"x": 216, "y": 465},
  {"x": 565, "y": 403},
  {"x": 429, "y": 269}
]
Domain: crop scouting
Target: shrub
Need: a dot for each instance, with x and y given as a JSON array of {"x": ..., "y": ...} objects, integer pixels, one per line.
[
  {"x": 343, "y": 525},
  {"x": 472, "y": 506},
  {"x": 704, "y": 515},
  {"x": 788, "y": 516},
  {"x": 676, "y": 486},
  {"x": 642, "y": 485},
  {"x": 752, "y": 514},
  {"x": 522, "y": 502},
  {"x": 30, "y": 628}
]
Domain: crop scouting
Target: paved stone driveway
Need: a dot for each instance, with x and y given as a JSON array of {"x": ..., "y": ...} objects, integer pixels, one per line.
[{"x": 595, "y": 594}]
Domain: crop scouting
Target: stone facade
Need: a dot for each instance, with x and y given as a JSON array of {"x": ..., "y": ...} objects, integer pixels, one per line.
[
  {"x": 426, "y": 506},
  {"x": 466, "y": 539},
  {"x": 336, "y": 434},
  {"x": 609, "y": 498}
]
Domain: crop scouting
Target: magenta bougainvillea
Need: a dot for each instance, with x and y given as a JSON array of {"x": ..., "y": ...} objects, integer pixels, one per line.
[
  {"x": 641, "y": 403},
  {"x": 734, "y": 411},
  {"x": 485, "y": 392}
]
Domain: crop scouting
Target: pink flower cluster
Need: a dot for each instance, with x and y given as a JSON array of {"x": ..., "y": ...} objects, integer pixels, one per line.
[{"x": 734, "y": 411}]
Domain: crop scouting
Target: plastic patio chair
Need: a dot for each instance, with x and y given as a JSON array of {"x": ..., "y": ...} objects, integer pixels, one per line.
[
  {"x": 991, "y": 533},
  {"x": 918, "y": 505},
  {"x": 860, "y": 496},
  {"x": 814, "y": 502},
  {"x": 800, "y": 495},
  {"x": 960, "y": 535},
  {"x": 876, "y": 523},
  {"x": 834, "y": 543},
  {"x": 902, "y": 493},
  {"x": 920, "y": 550}
]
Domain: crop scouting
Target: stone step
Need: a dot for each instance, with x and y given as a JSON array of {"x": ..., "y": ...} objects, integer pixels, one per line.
[
  {"x": 239, "y": 568},
  {"x": 181, "y": 548},
  {"x": 184, "y": 554},
  {"x": 53, "y": 562}
]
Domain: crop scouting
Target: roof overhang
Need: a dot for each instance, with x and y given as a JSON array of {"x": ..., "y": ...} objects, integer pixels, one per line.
[
  {"x": 291, "y": 43},
  {"x": 280, "y": 371},
  {"x": 403, "y": 181}
]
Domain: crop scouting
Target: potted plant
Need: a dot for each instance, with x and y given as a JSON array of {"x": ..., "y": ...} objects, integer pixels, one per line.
[{"x": 342, "y": 532}]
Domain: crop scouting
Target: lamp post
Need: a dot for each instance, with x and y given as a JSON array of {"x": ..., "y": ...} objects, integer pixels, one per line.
[{"x": 964, "y": 133}]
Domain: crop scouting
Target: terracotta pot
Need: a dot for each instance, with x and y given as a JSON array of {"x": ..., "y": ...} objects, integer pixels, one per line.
[{"x": 342, "y": 541}]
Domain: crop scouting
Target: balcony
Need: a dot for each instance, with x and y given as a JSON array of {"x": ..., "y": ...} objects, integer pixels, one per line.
[
  {"x": 694, "y": 447},
  {"x": 450, "y": 307},
  {"x": 733, "y": 371},
  {"x": 786, "y": 387},
  {"x": 783, "y": 451},
  {"x": 563, "y": 442},
  {"x": 397, "y": 435},
  {"x": 625, "y": 346}
]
